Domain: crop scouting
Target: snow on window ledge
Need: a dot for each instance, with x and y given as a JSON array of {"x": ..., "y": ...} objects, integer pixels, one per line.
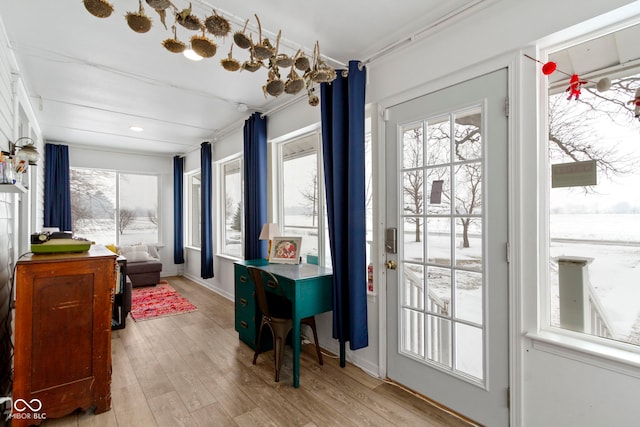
[{"x": 624, "y": 361}]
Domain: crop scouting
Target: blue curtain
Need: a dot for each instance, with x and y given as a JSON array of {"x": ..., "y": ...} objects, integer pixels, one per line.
[
  {"x": 178, "y": 212},
  {"x": 206, "y": 212},
  {"x": 255, "y": 185},
  {"x": 342, "y": 110},
  {"x": 57, "y": 191}
]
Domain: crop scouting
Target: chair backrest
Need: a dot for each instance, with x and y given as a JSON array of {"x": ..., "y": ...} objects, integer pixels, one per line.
[{"x": 259, "y": 278}]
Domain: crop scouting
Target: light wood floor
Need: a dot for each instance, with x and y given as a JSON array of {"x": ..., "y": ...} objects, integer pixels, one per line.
[{"x": 191, "y": 370}]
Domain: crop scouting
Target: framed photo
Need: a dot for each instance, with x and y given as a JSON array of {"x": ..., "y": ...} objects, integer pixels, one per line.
[{"x": 285, "y": 250}]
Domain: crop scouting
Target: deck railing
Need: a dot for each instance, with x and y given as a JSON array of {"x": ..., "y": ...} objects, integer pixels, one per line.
[
  {"x": 580, "y": 307},
  {"x": 438, "y": 338}
]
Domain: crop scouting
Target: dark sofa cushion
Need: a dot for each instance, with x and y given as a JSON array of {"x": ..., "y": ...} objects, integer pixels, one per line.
[{"x": 143, "y": 267}]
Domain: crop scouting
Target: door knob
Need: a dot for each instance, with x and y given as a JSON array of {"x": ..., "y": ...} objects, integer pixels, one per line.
[{"x": 391, "y": 264}]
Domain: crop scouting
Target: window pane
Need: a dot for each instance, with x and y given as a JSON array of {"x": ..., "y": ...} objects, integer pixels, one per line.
[
  {"x": 93, "y": 204},
  {"x": 439, "y": 288},
  {"x": 468, "y": 143},
  {"x": 469, "y": 350},
  {"x": 413, "y": 332},
  {"x": 300, "y": 191},
  {"x": 195, "y": 222},
  {"x": 233, "y": 213},
  {"x": 439, "y": 340},
  {"x": 469, "y": 297},
  {"x": 439, "y": 241},
  {"x": 413, "y": 286},
  {"x": 138, "y": 209},
  {"x": 594, "y": 240},
  {"x": 438, "y": 141},
  {"x": 99, "y": 215},
  {"x": 412, "y": 146}
]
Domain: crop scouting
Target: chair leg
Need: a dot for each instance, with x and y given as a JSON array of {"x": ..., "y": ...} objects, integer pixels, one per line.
[
  {"x": 258, "y": 343},
  {"x": 311, "y": 321},
  {"x": 278, "y": 348}
]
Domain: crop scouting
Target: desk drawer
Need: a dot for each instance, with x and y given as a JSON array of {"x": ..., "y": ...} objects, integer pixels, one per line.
[{"x": 247, "y": 318}]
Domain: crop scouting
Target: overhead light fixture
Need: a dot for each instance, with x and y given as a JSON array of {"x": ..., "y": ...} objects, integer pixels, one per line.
[
  {"x": 136, "y": 128},
  {"x": 192, "y": 55}
]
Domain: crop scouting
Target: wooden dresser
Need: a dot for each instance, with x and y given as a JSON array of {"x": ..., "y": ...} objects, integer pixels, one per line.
[{"x": 63, "y": 314}]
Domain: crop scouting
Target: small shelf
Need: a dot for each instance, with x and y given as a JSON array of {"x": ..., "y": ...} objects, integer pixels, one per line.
[{"x": 12, "y": 188}]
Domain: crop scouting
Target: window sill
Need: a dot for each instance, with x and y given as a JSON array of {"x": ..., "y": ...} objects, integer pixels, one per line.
[
  {"x": 230, "y": 258},
  {"x": 620, "y": 360}
]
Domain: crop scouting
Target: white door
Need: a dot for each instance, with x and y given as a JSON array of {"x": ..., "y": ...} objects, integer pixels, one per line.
[{"x": 447, "y": 312}]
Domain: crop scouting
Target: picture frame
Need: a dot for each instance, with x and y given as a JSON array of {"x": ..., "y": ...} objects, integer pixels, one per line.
[{"x": 285, "y": 250}]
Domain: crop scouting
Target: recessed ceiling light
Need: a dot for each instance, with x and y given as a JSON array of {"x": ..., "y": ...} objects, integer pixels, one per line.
[
  {"x": 190, "y": 53},
  {"x": 136, "y": 128}
]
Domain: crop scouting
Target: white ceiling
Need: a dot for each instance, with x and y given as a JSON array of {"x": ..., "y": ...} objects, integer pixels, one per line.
[
  {"x": 608, "y": 55},
  {"x": 90, "y": 79}
]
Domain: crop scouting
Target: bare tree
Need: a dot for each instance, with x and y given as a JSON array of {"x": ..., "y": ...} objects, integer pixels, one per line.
[
  {"x": 228, "y": 206},
  {"x": 310, "y": 195},
  {"x": 413, "y": 178},
  {"x": 90, "y": 197},
  {"x": 152, "y": 214},
  {"x": 573, "y": 137},
  {"x": 126, "y": 218}
]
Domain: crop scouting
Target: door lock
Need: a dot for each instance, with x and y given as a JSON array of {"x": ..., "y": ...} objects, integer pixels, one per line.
[{"x": 391, "y": 264}]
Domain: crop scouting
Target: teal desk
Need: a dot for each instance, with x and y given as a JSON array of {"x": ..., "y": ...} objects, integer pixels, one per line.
[{"x": 307, "y": 286}]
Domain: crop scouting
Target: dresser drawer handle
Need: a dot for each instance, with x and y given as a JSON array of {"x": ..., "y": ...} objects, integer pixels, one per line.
[
  {"x": 243, "y": 279},
  {"x": 271, "y": 284},
  {"x": 244, "y": 324},
  {"x": 243, "y": 302}
]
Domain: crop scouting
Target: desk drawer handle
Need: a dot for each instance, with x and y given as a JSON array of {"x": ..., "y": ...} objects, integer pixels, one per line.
[
  {"x": 243, "y": 279},
  {"x": 271, "y": 284},
  {"x": 243, "y": 302},
  {"x": 244, "y": 324}
]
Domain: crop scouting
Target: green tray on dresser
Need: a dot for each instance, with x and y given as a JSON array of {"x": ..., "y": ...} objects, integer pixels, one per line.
[{"x": 55, "y": 246}]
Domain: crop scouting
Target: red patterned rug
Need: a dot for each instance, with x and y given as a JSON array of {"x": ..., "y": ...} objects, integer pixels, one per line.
[{"x": 158, "y": 301}]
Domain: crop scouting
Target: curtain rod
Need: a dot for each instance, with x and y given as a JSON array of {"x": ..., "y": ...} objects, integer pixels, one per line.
[{"x": 421, "y": 32}]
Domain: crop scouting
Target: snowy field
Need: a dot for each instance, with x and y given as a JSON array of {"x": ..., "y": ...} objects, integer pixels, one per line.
[{"x": 613, "y": 273}]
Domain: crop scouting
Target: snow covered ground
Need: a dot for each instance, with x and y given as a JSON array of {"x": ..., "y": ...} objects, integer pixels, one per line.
[{"x": 613, "y": 273}]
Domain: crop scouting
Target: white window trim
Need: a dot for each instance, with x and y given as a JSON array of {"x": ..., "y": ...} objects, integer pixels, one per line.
[
  {"x": 220, "y": 198},
  {"x": 188, "y": 204},
  {"x": 278, "y": 185}
]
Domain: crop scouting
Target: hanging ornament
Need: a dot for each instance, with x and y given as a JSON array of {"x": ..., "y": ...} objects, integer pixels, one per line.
[
  {"x": 548, "y": 68},
  {"x": 603, "y": 84},
  {"x": 636, "y": 101},
  {"x": 574, "y": 86}
]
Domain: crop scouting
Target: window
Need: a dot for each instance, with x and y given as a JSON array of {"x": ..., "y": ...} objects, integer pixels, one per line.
[
  {"x": 302, "y": 207},
  {"x": 301, "y": 189},
  {"x": 232, "y": 214},
  {"x": 110, "y": 206},
  {"x": 593, "y": 207},
  {"x": 194, "y": 223}
]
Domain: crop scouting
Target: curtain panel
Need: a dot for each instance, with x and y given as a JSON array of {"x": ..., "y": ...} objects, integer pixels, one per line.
[
  {"x": 57, "y": 189},
  {"x": 255, "y": 185},
  {"x": 206, "y": 212},
  {"x": 178, "y": 210},
  {"x": 343, "y": 115}
]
